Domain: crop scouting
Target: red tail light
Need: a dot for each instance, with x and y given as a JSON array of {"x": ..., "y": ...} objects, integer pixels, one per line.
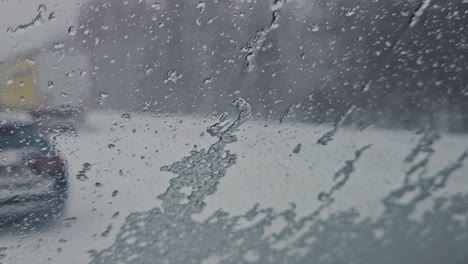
[{"x": 52, "y": 164}]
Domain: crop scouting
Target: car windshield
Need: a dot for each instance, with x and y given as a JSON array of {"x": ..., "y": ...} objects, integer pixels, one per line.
[
  {"x": 234, "y": 131},
  {"x": 17, "y": 135}
]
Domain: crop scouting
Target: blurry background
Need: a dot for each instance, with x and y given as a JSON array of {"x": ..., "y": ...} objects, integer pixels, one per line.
[{"x": 395, "y": 63}]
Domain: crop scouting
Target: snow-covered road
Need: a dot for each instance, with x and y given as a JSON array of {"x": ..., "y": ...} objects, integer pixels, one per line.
[{"x": 126, "y": 155}]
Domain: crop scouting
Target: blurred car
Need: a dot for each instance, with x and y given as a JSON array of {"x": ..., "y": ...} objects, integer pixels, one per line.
[
  {"x": 63, "y": 118},
  {"x": 33, "y": 177}
]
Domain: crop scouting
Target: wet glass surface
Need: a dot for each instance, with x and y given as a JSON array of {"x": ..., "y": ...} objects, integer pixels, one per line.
[{"x": 238, "y": 131}]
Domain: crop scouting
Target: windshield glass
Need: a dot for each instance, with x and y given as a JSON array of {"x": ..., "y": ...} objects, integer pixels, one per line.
[{"x": 234, "y": 131}]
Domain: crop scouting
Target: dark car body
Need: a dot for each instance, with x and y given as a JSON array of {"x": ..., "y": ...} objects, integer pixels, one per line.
[{"x": 33, "y": 177}]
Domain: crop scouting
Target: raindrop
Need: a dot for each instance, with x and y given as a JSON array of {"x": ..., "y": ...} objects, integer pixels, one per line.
[
  {"x": 70, "y": 73},
  {"x": 114, "y": 193},
  {"x": 223, "y": 117},
  {"x": 98, "y": 184},
  {"x": 110, "y": 146},
  {"x": 365, "y": 87},
  {"x": 22, "y": 99},
  {"x": 276, "y": 4},
  {"x": 102, "y": 96},
  {"x": 83, "y": 73},
  {"x": 350, "y": 12},
  {"x": 172, "y": 76},
  {"x": 64, "y": 94},
  {"x": 9, "y": 81},
  {"x": 59, "y": 44},
  {"x": 201, "y": 5},
  {"x": 148, "y": 71},
  {"x": 156, "y": 6},
  {"x": 107, "y": 231},
  {"x": 313, "y": 28},
  {"x": 50, "y": 85},
  {"x": 297, "y": 149},
  {"x": 323, "y": 197},
  {"x": 42, "y": 8},
  {"x": 208, "y": 80},
  {"x": 52, "y": 16},
  {"x": 82, "y": 173},
  {"x": 71, "y": 31},
  {"x": 30, "y": 61},
  {"x": 126, "y": 115}
]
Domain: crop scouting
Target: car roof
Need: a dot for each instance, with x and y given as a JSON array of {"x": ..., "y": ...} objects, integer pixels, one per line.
[{"x": 18, "y": 118}]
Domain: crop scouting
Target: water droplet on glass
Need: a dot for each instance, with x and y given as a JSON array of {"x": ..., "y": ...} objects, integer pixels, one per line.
[
  {"x": 201, "y": 5},
  {"x": 323, "y": 197},
  {"x": 214, "y": 130},
  {"x": 350, "y": 12},
  {"x": 156, "y": 6},
  {"x": 276, "y": 4},
  {"x": 71, "y": 31},
  {"x": 22, "y": 99},
  {"x": 114, "y": 193},
  {"x": 42, "y": 8},
  {"x": 126, "y": 115},
  {"x": 9, "y": 81},
  {"x": 70, "y": 73},
  {"x": 64, "y": 94},
  {"x": 83, "y": 73},
  {"x": 223, "y": 117},
  {"x": 110, "y": 146},
  {"x": 52, "y": 16},
  {"x": 59, "y": 45},
  {"x": 297, "y": 149},
  {"x": 103, "y": 94},
  {"x": 50, "y": 85},
  {"x": 365, "y": 87},
  {"x": 207, "y": 80},
  {"x": 148, "y": 71},
  {"x": 30, "y": 61},
  {"x": 82, "y": 173},
  {"x": 313, "y": 28},
  {"x": 172, "y": 76}
]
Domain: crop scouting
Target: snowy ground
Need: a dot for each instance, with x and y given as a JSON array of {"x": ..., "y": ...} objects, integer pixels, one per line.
[{"x": 126, "y": 156}]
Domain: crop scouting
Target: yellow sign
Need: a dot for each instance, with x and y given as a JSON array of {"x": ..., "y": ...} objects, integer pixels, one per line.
[{"x": 18, "y": 88}]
